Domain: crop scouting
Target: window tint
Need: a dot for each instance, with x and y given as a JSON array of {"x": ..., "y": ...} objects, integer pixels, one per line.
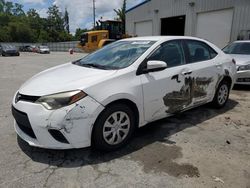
[
  {"x": 169, "y": 52},
  {"x": 199, "y": 51}
]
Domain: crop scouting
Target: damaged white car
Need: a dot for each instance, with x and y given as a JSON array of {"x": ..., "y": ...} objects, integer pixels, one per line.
[{"x": 102, "y": 98}]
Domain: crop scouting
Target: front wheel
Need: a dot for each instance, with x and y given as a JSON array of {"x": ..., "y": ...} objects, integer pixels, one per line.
[
  {"x": 113, "y": 128},
  {"x": 221, "y": 95}
]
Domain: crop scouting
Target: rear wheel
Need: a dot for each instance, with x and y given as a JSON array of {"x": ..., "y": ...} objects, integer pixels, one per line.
[
  {"x": 113, "y": 128},
  {"x": 221, "y": 95}
]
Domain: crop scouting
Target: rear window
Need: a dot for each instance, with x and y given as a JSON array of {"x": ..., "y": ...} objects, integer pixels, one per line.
[{"x": 199, "y": 51}]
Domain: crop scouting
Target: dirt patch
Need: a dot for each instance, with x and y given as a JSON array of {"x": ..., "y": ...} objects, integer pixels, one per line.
[{"x": 160, "y": 158}]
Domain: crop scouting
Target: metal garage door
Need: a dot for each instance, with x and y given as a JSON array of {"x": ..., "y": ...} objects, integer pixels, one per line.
[
  {"x": 215, "y": 26},
  {"x": 144, "y": 28}
]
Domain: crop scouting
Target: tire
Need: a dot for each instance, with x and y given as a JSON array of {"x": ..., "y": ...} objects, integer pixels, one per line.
[
  {"x": 105, "y": 123},
  {"x": 221, "y": 95}
]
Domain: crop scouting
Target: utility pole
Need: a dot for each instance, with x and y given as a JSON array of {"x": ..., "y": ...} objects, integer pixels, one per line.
[{"x": 94, "y": 12}]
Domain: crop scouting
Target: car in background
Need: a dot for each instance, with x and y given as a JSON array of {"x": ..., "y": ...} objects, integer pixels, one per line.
[
  {"x": 101, "y": 99},
  {"x": 25, "y": 48},
  {"x": 43, "y": 50},
  {"x": 33, "y": 48},
  {"x": 8, "y": 50},
  {"x": 240, "y": 51}
]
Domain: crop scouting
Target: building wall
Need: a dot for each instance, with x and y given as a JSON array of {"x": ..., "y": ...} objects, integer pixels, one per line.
[{"x": 156, "y": 9}]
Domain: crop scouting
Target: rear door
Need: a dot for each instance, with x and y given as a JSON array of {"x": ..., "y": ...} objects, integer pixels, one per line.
[{"x": 205, "y": 70}]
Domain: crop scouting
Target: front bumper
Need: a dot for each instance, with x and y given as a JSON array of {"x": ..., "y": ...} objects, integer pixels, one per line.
[
  {"x": 44, "y": 51},
  {"x": 73, "y": 124},
  {"x": 243, "y": 77}
]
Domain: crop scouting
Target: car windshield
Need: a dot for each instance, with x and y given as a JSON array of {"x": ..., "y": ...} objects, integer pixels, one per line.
[
  {"x": 238, "y": 48},
  {"x": 117, "y": 55},
  {"x": 42, "y": 47}
]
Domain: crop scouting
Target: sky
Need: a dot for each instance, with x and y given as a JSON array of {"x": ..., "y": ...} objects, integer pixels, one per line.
[{"x": 80, "y": 11}]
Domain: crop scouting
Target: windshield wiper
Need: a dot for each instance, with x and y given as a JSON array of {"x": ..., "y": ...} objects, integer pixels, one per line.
[
  {"x": 93, "y": 65},
  {"x": 96, "y": 66}
]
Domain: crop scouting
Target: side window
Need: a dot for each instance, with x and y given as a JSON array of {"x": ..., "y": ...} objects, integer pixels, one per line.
[
  {"x": 199, "y": 51},
  {"x": 169, "y": 52}
]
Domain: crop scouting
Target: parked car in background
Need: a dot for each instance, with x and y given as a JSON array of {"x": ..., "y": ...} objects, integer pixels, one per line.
[
  {"x": 33, "y": 49},
  {"x": 8, "y": 50},
  {"x": 43, "y": 50},
  {"x": 240, "y": 51},
  {"x": 101, "y": 99},
  {"x": 25, "y": 48}
]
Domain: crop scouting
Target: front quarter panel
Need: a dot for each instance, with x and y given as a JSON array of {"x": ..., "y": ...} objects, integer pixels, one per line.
[{"x": 124, "y": 85}]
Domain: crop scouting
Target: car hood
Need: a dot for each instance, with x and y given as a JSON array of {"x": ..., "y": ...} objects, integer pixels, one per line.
[
  {"x": 63, "y": 78},
  {"x": 241, "y": 59},
  {"x": 44, "y": 49}
]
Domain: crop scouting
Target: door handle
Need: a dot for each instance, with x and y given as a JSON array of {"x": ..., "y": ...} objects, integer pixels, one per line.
[{"x": 186, "y": 73}]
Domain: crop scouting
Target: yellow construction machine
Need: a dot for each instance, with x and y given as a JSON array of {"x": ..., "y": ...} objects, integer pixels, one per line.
[{"x": 106, "y": 32}]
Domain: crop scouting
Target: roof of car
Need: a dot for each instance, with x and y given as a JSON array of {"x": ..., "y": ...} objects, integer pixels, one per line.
[{"x": 158, "y": 38}]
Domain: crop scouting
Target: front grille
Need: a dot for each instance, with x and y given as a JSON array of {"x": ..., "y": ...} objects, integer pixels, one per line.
[
  {"x": 23, "y": 122},
  {"x": 57, "y": 135},
  {"x": 27, "y": 98}
]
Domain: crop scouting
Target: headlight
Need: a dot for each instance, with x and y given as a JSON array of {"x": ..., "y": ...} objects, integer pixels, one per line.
[
  {"x": 60, "y": 100},
  {"x": 244, "y": 67}
]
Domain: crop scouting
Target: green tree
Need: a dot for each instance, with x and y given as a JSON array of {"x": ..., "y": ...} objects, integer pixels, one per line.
[
  {"x": 5, "y": 35},
  {"x": 55, "y": 23},
  {"x": 21, "y": 32},
  {"x": 18, "y": 10},
  {"x": 2, "y": 3},
  {"x": 78, "y": 33},
  {"x": 66, "y": 20},
  {"x": 8, "y": 6},
  {"x": 121, "y": 14}
]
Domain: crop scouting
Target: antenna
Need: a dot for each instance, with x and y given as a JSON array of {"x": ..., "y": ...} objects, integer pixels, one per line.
[{"x": 94, "y": 12}]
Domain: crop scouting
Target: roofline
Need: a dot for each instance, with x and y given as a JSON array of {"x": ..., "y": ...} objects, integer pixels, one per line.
[{"x": 140, "y": 4}]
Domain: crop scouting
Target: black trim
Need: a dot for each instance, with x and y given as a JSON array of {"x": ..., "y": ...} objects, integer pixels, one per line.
[
  {"x": 23, "y": 122},
  {"x": 57, "y": 135},
  {"x": 27, "y": 98}
]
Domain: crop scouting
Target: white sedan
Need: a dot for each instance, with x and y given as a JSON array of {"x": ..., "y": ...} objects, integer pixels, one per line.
[
  {"x": 240, "y": 51},
  {"x": 43, "y": 50},
  {"x": 100, "y": 99}
]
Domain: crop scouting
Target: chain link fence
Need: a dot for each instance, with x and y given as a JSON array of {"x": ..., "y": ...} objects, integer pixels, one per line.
[{"x": 53, "y": 46}]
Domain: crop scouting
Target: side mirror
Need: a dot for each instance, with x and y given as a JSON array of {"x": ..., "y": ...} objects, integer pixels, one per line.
[{"x": 153, "y": 66}]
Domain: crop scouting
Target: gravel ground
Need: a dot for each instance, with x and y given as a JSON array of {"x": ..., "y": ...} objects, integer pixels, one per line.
[{"x": 202, "y": 147}]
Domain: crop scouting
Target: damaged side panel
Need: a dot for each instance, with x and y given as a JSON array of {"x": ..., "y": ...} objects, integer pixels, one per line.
[{"x": 192, "y": 89}]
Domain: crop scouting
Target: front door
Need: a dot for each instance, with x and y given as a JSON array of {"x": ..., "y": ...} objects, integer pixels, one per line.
[{"x": 168, "y": 91}]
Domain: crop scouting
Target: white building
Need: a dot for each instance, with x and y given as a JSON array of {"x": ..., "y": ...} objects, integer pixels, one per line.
[{"x": 219, "y": 21}]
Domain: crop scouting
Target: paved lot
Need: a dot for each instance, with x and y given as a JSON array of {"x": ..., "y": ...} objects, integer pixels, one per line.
[{"x": 203, "y": 147}]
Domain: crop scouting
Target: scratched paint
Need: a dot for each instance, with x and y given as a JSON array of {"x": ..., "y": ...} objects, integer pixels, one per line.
[{"x": 176, "y": 101}]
